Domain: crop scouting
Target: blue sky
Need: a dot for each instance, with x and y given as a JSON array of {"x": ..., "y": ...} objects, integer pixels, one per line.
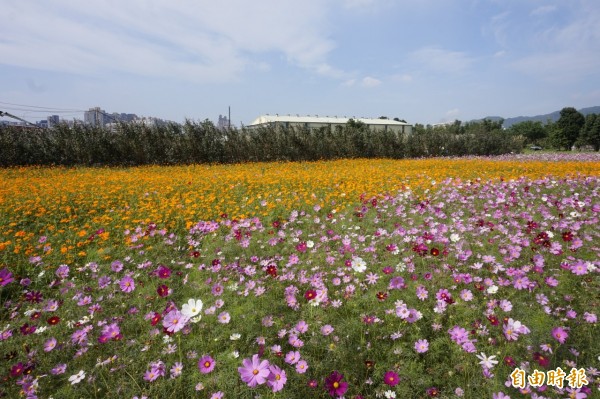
[{"x": 425, "y": 61}]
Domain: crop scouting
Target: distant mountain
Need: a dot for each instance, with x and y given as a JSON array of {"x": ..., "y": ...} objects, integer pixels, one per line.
[{"x": 553, "y": 116}]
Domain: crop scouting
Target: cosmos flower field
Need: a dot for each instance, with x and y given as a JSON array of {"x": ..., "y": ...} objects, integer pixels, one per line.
[{"x": 442, "y": 278}]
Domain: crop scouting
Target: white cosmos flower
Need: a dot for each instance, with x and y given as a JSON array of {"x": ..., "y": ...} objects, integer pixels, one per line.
[
  {"x": 492, "y": 289},
  {"x": 359, "y": 265},
  {"x": 487, "y": 361},
  {"x": 192, "y": 308},
  {"x": 76, "y": 378}
]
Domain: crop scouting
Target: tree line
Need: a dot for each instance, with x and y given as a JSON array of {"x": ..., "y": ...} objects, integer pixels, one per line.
[
  {"x": 572, "y": 130},
  {"x": 130, "y": 144}
]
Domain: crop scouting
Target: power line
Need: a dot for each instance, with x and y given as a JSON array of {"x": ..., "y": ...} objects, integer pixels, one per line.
[
  {"x": 44, "y": 108},
  {"x": 41, "y": 112}
]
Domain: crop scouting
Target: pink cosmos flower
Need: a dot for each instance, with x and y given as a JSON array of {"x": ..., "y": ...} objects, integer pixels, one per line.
[
  {"x": 224, "y": 318},
  {"x": 301, "y": 327},
  {"x": 277, "y": 378},
  {"x": 206, "y": 364},
  {"x": 127, "y": 284},
  {"x": 560, "y": 334},
  {"x": 301, "y": 367},
  {"x": 292, "y": 357},
  {"x": 151, "y": 375},
  {"x": 590, "y": 317},
  {"x": 176, "y": 370},
  {"x": 326, "y": 329},
  {"x": 174, "y": 321},
  {"x": 50, "y": 344},
  {"x": 254, "y": 371},
  {"x": 422, "y": 346}
]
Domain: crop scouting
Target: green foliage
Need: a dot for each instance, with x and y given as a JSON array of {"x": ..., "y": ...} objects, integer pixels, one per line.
[
  {"x": 532, "y": 131},
  {"x": 590, "y": 133},
  {"x": 201, "y": 142},
  {"x": 569, "y": 125}
]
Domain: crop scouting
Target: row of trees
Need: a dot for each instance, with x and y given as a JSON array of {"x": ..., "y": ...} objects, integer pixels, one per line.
[
  {"x": 571, "y": 130},
  {"x": 202, "y": 142}
]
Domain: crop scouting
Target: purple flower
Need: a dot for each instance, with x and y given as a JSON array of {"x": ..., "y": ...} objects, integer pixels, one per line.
[
  {"x": 174, "y": 321},
  {"x": 254, "y": 371},
  {"x": 396, "y": 283},
  {"x": 59, "y": 369},
  {"x": 590, "y": 317},
  {"x": 292, "y": 357},
  {"x": 560, "y": 334},
  {"x": 277, "y": 378},
  {"x": 152, "y": 374},
  {"x": 50, "y": 344},
  {"x": 62, "y": 271},
  {"x": 127, "y": 284},
  {"x": 206, "y": 364},
  {"x": 111, "y": 331},
  {"x": 422, "y": 346}
]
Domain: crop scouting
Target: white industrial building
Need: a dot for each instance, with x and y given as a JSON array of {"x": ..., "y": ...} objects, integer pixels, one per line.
[{"x": 316, "y": 122}]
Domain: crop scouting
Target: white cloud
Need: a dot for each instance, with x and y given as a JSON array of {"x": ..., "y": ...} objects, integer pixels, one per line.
[
  {"x": 193, "y": 40},
  {"x": 403, "y": 77},
  {"x": 369, "y": 81},
  {"x": 544, "y": 10},
  {"x": 566, "y": 52},
  {"x": 440, "y": 60}
]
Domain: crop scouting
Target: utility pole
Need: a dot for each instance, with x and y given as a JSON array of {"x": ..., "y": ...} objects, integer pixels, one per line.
[{"x": 229, "y": 117}]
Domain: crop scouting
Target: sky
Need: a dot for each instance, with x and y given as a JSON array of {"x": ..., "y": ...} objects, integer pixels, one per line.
[{"x": 424, "y": 61}]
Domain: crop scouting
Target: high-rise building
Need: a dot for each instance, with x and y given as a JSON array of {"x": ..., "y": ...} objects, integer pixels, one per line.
[
  {"x": 53, "y": 120},
  {"x": 96, "y": 117}
]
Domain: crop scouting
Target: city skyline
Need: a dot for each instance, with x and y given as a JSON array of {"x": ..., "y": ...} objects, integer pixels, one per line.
[{"x": 422, "y": 61}]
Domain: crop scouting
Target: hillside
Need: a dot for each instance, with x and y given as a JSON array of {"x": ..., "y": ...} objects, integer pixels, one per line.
[{"x": 553, "y": 116}]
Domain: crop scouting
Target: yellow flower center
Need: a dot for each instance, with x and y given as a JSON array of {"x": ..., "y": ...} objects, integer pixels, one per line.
[
  {"x": 255, "y": 371},
  {"x": 336, "y": 385}
]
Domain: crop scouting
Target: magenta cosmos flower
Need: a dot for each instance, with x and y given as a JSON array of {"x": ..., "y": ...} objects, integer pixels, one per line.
[
  {"x": 206, "y": 364},
  {"x": 254, "y": 371},
  {"x": 335, "y": 385},
  {"x": 560, "y": 334},
  {"x": 391, "y": 378},
  {"x": 5, "y": 277}
]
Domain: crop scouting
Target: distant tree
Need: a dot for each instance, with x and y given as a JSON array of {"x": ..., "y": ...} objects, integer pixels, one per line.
[
  {"x": 590, "y": 133},
  {"x": 532, "y": 131},
  {"x": 399, "y": 120},
  {"x": 569, "y": 125},
  {"x": 383, "y": 117}
]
